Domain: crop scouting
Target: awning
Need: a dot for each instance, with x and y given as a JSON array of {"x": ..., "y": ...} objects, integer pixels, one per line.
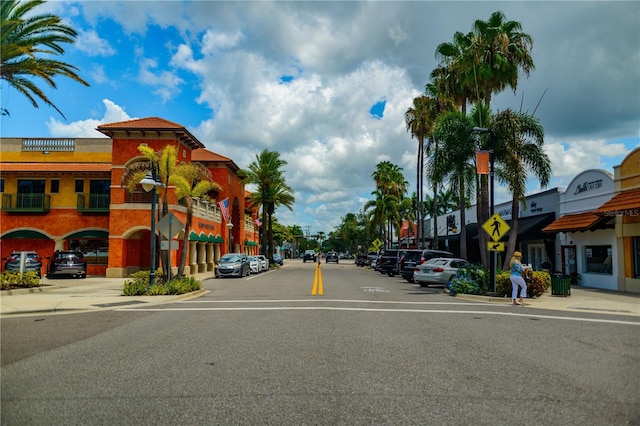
[
  {"x": 24, "y": 233},
  {"x": 250, "y": 244},
  {"x": 529, "y": 227},
  {"x": 205, "y": 238},
  {"x": 578, "y": 222},
  {"x": 626, "y": 203},
  {"x": 89, "y": 234}
]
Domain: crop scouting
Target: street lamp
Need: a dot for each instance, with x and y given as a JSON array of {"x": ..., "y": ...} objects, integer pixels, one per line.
[
  {"x": 230, "y": 233},
  {"x": 149, "y": 184},
  {"x": 492, "y": 254}
]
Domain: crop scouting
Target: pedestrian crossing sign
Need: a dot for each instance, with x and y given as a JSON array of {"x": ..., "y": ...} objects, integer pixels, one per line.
[{"x": 496, "y": 227}]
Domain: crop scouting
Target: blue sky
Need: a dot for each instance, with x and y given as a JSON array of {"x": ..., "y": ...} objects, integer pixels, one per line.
[{"x": 326, "y": 84}]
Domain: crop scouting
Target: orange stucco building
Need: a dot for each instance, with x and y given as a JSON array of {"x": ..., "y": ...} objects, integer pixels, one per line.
[{"x": 66, "y": 193}]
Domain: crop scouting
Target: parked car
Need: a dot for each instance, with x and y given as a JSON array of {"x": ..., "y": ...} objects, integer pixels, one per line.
[
  {"x": 411, "y": 258},
  {"x": 33, "y": 262},
  {"x": 438, "y": 270},
  {"x": 309, "y": 255},
  {"x": 388, "y": 262},
  {"x": 362, "y": 260},
  {"x": 67, "y": 262},
  {"x": 277, "y": 259},
  {"x": 264, "y": 262},
  {"x": 331, "y": 256},
  {"x": 255, "y": 265},
  {"x": 233, "y": 265}
]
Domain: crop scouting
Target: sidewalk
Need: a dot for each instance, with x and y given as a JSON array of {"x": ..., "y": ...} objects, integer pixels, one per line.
[
  {"x": 80, "y": 295},
  {"x": 100, "y": 293}
]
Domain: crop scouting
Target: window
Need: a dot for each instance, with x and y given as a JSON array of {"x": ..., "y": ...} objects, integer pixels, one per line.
[
  {"x": 30, "y": 193},
  {"x": 636, "y": 256},
  {"x": 99, "y": 193},
  {"x": 55, "y": 186},
  {"x": 95, "y": 251},
  {"x": 2, "y": 185},
  {"x": 79, "y": 186},
  {"x": 597, "y": 259}
]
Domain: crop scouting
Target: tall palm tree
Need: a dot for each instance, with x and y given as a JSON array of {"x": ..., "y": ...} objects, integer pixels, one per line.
[
  {"x": 380, "y": 210},
  {"x": 192, "y": 180},
  {"x": 416, "y": 121},
  {"x": 500, "y": 51},
  {"x": 390, "y": 182},
  {"x": 454, "y": 129},
  {"x": 271, "y": 190},
  {"x": 25, "y": 41},
  {"x": 519, "y": 153}
]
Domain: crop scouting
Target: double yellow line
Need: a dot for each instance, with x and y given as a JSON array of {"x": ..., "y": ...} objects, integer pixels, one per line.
[{"x": 317, "y": 282}]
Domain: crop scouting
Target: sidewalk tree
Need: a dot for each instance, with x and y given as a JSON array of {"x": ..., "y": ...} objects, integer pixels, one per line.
[
  {"x": 192, "y": 180},
  {"x": 28, "y": 40}
]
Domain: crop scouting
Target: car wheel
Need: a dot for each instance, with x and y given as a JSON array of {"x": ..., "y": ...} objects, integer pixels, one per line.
[{"x": 423, "y": 284}]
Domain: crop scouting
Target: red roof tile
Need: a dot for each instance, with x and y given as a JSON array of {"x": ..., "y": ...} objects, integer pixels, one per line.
[
  {"x": 203, "y": 154},
  {"x": 620, "y": 203},
  {"x": 55, "y": 167},
  {"x": 152, "y": 124},
  {"x": 573, "y": 223}
]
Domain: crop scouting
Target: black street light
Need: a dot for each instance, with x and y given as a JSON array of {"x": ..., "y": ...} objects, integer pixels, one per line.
[
  {"x": 492, "y": 254},
  {"x": 149, "y": 184}
]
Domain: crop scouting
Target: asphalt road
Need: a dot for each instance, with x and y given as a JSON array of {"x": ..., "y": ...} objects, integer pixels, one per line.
[{"x": 370, "y": 350}]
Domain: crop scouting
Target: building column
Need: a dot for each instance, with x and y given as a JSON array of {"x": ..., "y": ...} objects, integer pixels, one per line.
[
  {"x": 192, "y": 257},
  {"x": 202, "y": 263}
]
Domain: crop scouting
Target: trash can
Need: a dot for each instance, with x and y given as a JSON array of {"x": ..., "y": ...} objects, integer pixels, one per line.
[{"x": 560, "y": 285}]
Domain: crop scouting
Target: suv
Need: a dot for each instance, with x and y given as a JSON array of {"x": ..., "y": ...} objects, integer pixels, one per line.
[
  {"x": 67, "y": 262},
  {"x": 411, "y": 258},
  {"x": 309, "y": 255},
  {"x": 32, "y": 262},
  {"x": 388, "y": 262},
  {"x": 331, "y": 256}
]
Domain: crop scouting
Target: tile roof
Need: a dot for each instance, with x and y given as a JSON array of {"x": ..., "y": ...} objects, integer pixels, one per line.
[
  {"x": 55, "y": 167},
  {"x": 152, "y": 124},
  {"x": 620, "y": 203},
  {"x": 573, "y": 223},
  {"x": 203, "y": 154}
]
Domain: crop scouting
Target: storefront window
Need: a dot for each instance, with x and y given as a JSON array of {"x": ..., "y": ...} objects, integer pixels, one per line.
[
  {"x": 636, "y": 257},
  {"x": 96, "y": 251},
  {"x": 597, "y": 259}
]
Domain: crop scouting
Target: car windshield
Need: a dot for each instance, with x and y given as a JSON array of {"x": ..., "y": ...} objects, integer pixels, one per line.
[{"x": 228, "y": 258}]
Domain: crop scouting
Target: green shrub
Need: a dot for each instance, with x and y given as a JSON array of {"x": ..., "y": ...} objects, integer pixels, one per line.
[
  {"x": 536, "y": 284},
  {"x": 139, "y": 285},
  {"x": 13, "y": 279},
  {"x": 471, "y": 279}
]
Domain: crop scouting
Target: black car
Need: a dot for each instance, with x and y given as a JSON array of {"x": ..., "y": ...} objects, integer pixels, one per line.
[
  {"x": 388, "y": 262},
  {"x": 362, "y": 260},
  {"x": 309, "y": 255},
  {"x": 67, "y": 262},
  {"x": 331, "y": 256},
  {"x": 32, "y": 262}
]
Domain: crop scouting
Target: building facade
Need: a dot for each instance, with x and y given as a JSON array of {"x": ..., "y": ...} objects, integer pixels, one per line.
[{"x": 68, "y": 194}]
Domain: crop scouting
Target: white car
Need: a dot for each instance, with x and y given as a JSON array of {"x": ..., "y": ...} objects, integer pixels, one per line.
[
  {"x": 255, "y": 264},
  {"x": 263, "y": 262},
  {"x": 438, "y": 270}
]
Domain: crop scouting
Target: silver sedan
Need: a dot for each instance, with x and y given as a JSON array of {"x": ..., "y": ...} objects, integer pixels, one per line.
[{"x": 439, "y": 270}]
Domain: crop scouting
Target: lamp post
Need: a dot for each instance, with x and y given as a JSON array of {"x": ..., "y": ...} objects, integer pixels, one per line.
[
  {"x": 230, "y": 227},
  {"x": 150, "y": 183},
  {"x": 492, "y": 254}
]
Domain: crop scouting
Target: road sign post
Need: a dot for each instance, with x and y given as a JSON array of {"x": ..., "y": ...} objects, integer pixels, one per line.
[{"x": 496, "y": 228}]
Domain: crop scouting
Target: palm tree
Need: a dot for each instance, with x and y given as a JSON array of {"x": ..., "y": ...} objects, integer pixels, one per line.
[
  {"x": 519, "y": 153},
  {"x": 454, "y": 129},
  {"x": 25, "y": 39},
  {"x": 500, "y": 51},
  {"x": 380, "y": 210},
  {"x": 416, "y": 120},
  {"x": 390, "y": 182},
  {"x": 271, "y": 190},
  {"x": 192, "y": 180}
]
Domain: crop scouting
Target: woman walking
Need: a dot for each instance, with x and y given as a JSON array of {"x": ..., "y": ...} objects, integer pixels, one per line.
[{"x": 517, "y": 279}]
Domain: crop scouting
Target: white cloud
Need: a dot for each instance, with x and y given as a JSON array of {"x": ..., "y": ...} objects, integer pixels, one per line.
[
  {"x": 166, "y": 83},
  {"x": 87, "y": 128},
  {"x": 90, "y": 43}
]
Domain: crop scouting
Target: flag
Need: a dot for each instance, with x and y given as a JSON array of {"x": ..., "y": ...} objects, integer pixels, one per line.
[
  {"x": 258, "y": 222},
  {"x": 224, "y": 207},
  {"x": 482, "y": 162}
]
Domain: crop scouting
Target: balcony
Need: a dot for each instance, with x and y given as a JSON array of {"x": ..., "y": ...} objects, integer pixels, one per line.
[
  {"x": 138, "y": 197},
  {"x": 93, "y": 203},
  {"x": 26, "y": 203}
]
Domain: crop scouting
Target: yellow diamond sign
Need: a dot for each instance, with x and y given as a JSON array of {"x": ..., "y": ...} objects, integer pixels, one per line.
[{"x": 496, "y": 227}]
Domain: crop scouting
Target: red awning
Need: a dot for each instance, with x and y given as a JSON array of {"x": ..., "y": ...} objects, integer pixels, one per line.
[
  {"x": 574, "y": 223},
  {"x": 626, "y": 203}
]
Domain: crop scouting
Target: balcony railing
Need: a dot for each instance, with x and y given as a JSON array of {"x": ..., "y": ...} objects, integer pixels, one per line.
[
  {"x": 138, "y": 197},
  {"x": 93, "y": 203},
  {"x": 26, "y": 203}
]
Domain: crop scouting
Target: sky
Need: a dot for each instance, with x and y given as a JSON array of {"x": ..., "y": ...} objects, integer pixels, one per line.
[{"x": 326, "y": 84}]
